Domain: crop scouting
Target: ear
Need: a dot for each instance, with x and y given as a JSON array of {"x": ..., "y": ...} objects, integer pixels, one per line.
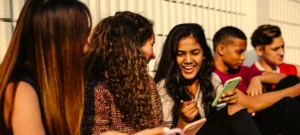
[
  {"x": 220, "y": 49},
  {"x": 259, "y": 50}
]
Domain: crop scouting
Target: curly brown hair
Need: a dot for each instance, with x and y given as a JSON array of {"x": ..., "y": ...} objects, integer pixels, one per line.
[{"x": 116, "y": 58}]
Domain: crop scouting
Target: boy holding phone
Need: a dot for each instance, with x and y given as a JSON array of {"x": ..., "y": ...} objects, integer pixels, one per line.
[{"x": 230, "y": 44}]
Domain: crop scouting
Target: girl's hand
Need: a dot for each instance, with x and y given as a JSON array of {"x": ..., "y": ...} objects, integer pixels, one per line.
[{"x": 189, "y": 110}]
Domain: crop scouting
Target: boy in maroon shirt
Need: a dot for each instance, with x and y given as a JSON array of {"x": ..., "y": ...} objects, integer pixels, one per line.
[{"x": 276, "y": 111}]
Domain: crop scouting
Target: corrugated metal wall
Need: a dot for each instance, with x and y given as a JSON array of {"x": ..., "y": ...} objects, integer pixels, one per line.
[{"x": 211, "y": 14}]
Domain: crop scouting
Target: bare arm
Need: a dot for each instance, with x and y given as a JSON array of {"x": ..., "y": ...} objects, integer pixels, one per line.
[
  {"x": 255, "y": 87},
  {"x": 271, "y": 78},
  {"x": 26, "y": 116},
  {"x": 298, "y": 70},
  {"x": 266, "y": 100}
]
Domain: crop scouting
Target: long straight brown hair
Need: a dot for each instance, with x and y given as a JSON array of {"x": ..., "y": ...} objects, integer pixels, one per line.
[{"x": 49, "y": 39}]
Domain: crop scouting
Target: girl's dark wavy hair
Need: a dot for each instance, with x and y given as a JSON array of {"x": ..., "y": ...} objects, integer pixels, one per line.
[
  {"x": 115, "y": 57},
  {"x": 169, "y": 70}
]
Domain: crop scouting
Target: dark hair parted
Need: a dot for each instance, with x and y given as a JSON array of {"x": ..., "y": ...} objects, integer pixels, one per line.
[
  {"x": 169, "y": 70},
  {"x": 264, "y": 35},
  {"x": 225, "y": 35},
  {"x": 116, "y": 58}
]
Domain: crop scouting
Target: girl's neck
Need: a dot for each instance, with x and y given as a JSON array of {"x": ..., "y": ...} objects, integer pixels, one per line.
[{"x": 192, "y": 86}]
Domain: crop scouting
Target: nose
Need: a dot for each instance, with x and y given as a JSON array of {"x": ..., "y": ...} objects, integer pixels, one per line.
[
  {"x": 281, "y": 52},
  {"x": 243, "y": 56},
  {"x": 153, "y": 56},
  {"x": 188, "y": 59}
]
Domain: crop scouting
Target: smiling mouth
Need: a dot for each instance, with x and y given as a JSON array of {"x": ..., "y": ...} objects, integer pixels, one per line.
[{"x": 188, "y": 69}]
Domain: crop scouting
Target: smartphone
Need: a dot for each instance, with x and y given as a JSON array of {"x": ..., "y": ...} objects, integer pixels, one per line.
[
  {"x": 229, "y": 85},
  {"x": 194, "y": 127},
  {"x": 174, "y": 131}
]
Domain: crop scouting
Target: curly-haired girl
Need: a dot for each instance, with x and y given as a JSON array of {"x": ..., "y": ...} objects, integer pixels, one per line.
[{"x": 120, "y": 95}]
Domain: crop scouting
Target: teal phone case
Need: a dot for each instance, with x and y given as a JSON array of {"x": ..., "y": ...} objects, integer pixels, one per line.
[{"x": 230, "y": 84}]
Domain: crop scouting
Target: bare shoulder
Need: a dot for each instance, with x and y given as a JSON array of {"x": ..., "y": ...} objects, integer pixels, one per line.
[
  {"x": 19, "y": 93},
  {"x": 26, "y": 107},
  {"x": 24, "y": 93}
]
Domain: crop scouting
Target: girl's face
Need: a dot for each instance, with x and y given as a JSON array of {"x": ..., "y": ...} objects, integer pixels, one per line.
[{"x": 189, "y": 57}]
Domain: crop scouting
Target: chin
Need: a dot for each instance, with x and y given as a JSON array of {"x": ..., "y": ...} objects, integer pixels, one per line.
[
  {"x": 189, "y": 77},
  {"x": 278, "y": 63},
  {"x": 236, "y": 67}
]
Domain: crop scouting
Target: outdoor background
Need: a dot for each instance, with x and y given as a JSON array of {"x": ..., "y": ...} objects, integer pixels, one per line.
[{"x": 211, "y": 14}]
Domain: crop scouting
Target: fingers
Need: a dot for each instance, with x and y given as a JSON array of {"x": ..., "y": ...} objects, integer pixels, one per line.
[
  {"x": 254, "y": 91},
  {"x": 190, "y": 114},
  {"x": 232, "y": 99},
  {"x": 229, "y": 93},
  {"x": 229, "y": 97},
  {"x": 188, "y": 104},
  {"x": 189, "y": 110}
]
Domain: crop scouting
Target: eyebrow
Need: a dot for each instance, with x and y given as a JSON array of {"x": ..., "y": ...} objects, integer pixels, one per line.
[
  {"x": 190, "y": 50},
  {"x": 241, "y": 49}
]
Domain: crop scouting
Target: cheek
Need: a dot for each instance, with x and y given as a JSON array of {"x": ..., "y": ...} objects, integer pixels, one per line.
[
  {"x": 179, "y": 60},
  {"x": 270, "y": 55},
  {"x": 199, "y": 60},
  {"x": 235, "y": 56}
]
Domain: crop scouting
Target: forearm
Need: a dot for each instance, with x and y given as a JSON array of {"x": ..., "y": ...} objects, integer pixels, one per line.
[
  {"x": 266, "y": 100},
  {"x": 271, "y": 78}
]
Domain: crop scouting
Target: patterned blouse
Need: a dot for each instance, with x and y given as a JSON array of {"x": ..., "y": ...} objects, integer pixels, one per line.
[{"x": 101, "y": 114}]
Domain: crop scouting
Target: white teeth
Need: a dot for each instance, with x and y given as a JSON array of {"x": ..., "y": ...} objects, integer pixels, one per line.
[{"x": 190, "y": 67}]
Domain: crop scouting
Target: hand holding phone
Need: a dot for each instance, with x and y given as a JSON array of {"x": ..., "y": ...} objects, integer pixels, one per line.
[
  {"x": 229, "y": 97},
  {"x": 230, "y": 84},
  {"x": 194, "y": 127}
]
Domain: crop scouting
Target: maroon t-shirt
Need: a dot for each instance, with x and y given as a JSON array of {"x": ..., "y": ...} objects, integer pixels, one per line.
[
  {"x": 244, "y": 72},
  {"x": 286, "y": 69}
]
